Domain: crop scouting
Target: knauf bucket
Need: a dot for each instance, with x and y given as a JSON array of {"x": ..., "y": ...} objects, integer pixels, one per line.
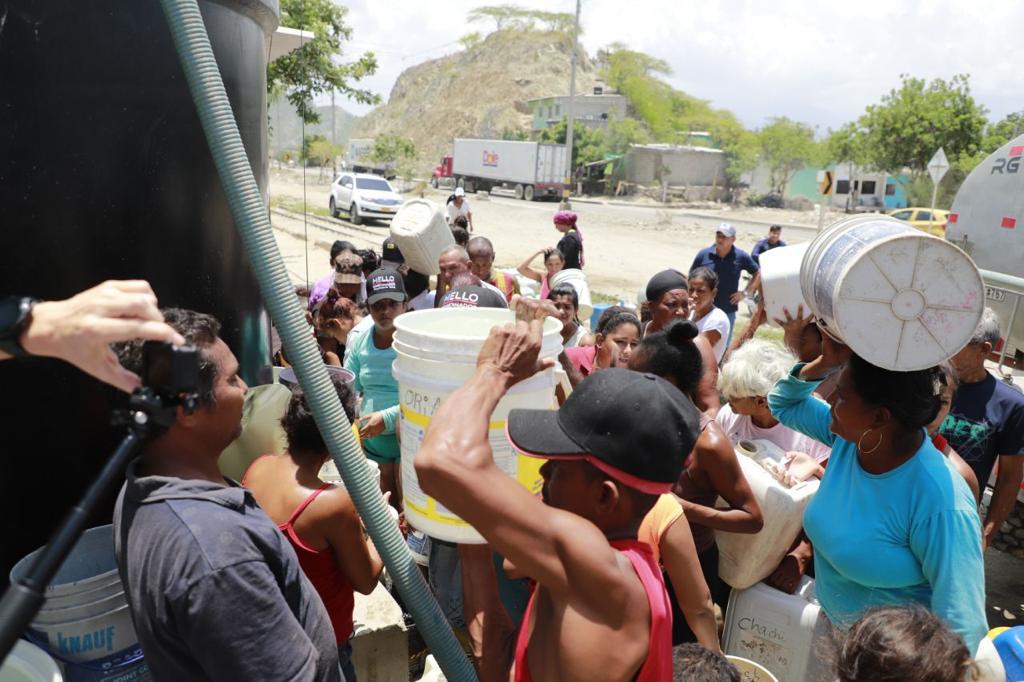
[
  {"x": 780, "y": 281},
  {"x": 29, "y": 663},
  {"x": 421, "y": 234},
  {"x": 85, "y": 623},
  {"x": 578, "y": 280},
  {"x": 435, "y": 354},
  {"x": 901, "y": 299}
]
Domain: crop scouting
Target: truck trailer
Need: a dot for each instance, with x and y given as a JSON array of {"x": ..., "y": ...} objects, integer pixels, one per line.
[
  {"x": 357, "y": 159},
  {"x": 530, "y": 169}
]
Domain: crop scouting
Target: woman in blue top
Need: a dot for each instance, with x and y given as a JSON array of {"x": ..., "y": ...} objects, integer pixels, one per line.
[
  {"x": 370, "y": 359},
  {"x": 892, "y": 521}
]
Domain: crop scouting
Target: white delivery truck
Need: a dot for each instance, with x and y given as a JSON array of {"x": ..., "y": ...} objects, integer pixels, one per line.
[
  {"x": 357, "y": 159},
  {"x": 530, "y": 169}
]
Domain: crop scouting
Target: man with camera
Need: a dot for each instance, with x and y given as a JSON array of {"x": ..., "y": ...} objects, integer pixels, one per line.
[{"x": 215, "y": 590}]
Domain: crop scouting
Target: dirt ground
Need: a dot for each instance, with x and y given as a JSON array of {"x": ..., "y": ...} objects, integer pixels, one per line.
[{"x": 624, "y": 245}]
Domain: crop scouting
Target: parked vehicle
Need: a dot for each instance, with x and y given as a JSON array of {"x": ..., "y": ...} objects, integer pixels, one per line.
[
  {"x": 363, "y": 196},
  {"x": 357, "y": 159},
  {"x": 923, "y": 219},
  {"x": 530, "y": 169}
]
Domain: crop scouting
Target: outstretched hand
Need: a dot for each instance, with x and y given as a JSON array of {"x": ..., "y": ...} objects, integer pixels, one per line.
[
  {"x": 80, "y": 329},
  {"x": 513, "y": 349}
]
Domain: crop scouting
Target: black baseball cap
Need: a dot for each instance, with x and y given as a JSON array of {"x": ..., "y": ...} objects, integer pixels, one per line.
[
  {"x": 390, "y": 252},
  {"x": 385, "y": 283},
  {"x": 473, "y": 296},
  {"x": 635, "y": 427}
]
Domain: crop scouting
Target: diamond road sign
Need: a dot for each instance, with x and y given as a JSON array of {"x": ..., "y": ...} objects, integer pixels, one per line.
[{"x": 938, "y": 166}]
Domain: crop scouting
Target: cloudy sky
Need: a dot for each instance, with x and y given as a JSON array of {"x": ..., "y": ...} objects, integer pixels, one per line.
[{"x": 818, "y": 62}]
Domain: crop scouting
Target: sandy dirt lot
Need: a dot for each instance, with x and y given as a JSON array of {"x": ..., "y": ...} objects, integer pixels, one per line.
[{"x": 624, "y": 245}]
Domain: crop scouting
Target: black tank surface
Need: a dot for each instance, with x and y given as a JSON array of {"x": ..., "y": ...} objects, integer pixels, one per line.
[{"x": 105, "y": 174}]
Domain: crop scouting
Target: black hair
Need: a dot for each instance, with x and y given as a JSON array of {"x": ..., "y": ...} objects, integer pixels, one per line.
[
  {"x": 906, "y": 643},
  {"x": 552, "y": 250},
  {"x": 300, "y": 429},
  {"x": 565, "y": 290},
  {"x": 415, "y": 283},
  {"x": 371, "y": 261},
  {"x": 481, "y": 245},
  {"x": 694, "y": 663},
  {"x": 460, "y": 221},
  {"x": 709, "y": 276},
  {"x": 199, "y": 329},
  {"x": 671, "y": 353},
  {"x": 913, "y": 398},
  {"x": 607, "y": 315},
  {"x": 461, "y": 235},
  {"x": 617, "y": 320},
  {"x": 341, "y": 245},
  {"x": 775, "y": 228}
]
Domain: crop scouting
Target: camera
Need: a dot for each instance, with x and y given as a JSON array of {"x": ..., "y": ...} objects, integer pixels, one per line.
[{"x": 171, "y": 372}]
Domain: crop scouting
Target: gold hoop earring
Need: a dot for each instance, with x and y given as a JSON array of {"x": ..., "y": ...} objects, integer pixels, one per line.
[{"x": 861, "y": 440}]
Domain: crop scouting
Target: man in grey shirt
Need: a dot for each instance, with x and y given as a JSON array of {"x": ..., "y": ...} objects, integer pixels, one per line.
[{"x": 215, "y": 590}]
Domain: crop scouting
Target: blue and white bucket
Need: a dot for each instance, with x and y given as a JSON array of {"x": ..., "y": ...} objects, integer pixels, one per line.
[{"x": 85, "y": 623}]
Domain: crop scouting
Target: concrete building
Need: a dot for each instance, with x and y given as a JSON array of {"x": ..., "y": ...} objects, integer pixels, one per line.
[
  {"x": 593, "y": 111},
  {"x": 680, "y": 166}
]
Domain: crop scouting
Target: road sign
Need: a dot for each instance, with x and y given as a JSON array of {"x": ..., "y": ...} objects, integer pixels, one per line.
[
  {"x": 827, "y": 183},
  {"x": 938, "y": 166}
]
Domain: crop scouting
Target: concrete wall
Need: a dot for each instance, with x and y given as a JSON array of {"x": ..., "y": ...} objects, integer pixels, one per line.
[
  {"x": 804, "y": 183},
  {"x": 680, "y": 166}
]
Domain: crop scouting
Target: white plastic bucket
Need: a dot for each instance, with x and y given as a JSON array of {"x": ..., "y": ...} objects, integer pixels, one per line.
[
  {"x": 578, "y": 281},
  {"x": 780, "y": 281},
  {"x": 436, "y": 353},
  {"x": 900, "y": 298},
  {"x": 85, "y": 623},
  {"x": 421, "y": 234},
  {"x": 29, "y": 663},
  {"x": 778, "y": 631},
  {"x": 746, "y": 558}
]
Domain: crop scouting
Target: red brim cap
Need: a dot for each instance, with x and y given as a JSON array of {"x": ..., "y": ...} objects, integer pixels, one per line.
[{"x": 537, "y": 433}]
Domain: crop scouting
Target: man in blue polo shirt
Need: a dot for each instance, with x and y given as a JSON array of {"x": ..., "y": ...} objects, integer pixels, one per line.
[
  {"x": 772, "y": 241},
  {"x": 727, "y": 261}
]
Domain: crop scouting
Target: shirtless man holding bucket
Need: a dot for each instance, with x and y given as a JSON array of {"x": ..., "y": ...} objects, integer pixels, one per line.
[{"x": 599, "y": 610}]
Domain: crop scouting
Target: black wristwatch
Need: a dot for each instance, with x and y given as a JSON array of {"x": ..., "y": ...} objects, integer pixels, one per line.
[{"x": 15, "y": 316}]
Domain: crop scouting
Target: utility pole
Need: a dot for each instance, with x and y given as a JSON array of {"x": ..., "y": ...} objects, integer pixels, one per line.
[
  {"x": 569, "y": 168},
  {"x": 334, "y": 141}
]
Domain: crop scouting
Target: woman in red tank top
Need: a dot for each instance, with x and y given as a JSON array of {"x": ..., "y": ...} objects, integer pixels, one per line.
[{"x": 318, "y": 518}]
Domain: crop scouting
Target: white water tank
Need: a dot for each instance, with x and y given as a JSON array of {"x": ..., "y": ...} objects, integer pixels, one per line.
[{"x": 421, "y": 234}]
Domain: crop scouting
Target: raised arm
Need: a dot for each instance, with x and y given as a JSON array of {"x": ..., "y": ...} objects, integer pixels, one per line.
[
  {"x": 706, "y": 397},
  {"x": 525, "y": 270},
  {"x": 456, "y": 466}
]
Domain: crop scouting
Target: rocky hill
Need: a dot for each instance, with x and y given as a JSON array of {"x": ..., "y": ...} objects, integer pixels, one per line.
[
  {"x": 286, "y": 126},
  {"x": 478, "y": 92}
]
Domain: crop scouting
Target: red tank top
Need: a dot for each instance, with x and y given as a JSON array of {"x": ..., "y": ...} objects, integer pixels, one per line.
[
  {"x": 657, "y": 666},
  {"x": 323, "y": 571}
]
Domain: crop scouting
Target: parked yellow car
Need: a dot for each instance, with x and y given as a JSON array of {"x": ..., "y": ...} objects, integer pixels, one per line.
[{"x": 921, "y": 218}]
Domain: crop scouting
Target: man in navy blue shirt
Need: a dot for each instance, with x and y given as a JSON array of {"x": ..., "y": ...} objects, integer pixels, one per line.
[
  {"x": 772, "y": 241},
  {"x": 727, "y": 261},
  {"x": 986, "y": 424}
]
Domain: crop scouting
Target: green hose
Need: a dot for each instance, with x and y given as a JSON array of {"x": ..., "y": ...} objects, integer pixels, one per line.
[{"x": 253, "y": 223}]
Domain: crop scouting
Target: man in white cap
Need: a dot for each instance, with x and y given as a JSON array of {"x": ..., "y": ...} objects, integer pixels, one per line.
[
  {"x": 727, "y": 261},
  {"x": 458, "y": 205}
]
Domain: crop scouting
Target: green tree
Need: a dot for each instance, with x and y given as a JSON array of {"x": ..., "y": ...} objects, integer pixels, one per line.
[
  {"x": 913, "y": 121},
  {"x": 311, "y": 70},
  {"x": 786, "y": 147},
  {"x": 394, "y": 152},
  {"x": 624, "y": 132},
  {"x": 306, "y": 154},
  {"x": 847, "y": 145},
  {"x": 471, "y": 40},
  {"x": 520, "y": 18},
  {"x": 588, "y": 144},
  {"x": 514, "y": 134}
]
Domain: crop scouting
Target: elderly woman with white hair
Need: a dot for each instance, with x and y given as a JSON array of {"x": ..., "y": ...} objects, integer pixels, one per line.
[{"x": 745, "y": 381}]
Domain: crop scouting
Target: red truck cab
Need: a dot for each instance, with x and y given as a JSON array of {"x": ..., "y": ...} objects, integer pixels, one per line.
[{"x": 442, "y": 170}]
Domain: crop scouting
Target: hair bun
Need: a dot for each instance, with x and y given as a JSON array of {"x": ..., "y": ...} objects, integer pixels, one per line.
[{"x": 681, "y": 331}]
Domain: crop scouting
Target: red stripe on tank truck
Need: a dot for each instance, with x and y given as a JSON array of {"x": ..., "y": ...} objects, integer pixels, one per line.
[
  {"x": 952, "y": 218},
  {"x": 1017, "y": 151},
  {"x": 1009, "y": 223}
]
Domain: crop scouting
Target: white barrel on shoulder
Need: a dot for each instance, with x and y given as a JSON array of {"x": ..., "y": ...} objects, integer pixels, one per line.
[{"x": 901, "y": 299}]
